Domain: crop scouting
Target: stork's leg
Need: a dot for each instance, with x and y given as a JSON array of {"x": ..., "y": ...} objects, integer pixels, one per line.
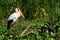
[{"x": 16, "y": 23}]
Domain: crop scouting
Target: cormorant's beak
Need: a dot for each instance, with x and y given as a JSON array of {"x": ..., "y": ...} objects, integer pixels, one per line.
[{"x": 21, "y": 14}]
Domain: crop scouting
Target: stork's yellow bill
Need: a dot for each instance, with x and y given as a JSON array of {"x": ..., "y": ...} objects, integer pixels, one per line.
[{"x": 20, "y": 12}]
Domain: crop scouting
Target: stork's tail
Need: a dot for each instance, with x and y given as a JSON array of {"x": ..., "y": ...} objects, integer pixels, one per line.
[{"x": 9, "y": 23}]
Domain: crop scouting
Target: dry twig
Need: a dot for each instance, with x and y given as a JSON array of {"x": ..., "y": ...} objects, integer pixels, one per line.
[
  {"x": 32, "y": 31},
  {"x": 26, "y": 29}
]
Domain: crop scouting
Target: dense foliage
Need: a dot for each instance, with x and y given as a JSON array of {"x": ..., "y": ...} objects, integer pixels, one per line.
[{"x": 36, "y": 11}]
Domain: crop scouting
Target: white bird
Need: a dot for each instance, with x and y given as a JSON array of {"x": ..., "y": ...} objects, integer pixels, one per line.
[{"x": 14, "y": 17}]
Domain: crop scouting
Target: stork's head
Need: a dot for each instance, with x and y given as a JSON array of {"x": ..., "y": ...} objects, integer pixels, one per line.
[{"x": 19, "y": 12}]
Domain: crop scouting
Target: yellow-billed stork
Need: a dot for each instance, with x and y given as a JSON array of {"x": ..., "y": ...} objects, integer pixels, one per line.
[{"x": 14, "y": 17}]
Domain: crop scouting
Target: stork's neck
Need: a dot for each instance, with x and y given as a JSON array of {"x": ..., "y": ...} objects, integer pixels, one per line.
[{"x": 18, "y": 14}]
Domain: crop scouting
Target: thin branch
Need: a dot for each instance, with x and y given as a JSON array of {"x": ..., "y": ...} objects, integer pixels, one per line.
[
  {"x": 31, "y": 32},
  {"x": 26, "y": 29}
]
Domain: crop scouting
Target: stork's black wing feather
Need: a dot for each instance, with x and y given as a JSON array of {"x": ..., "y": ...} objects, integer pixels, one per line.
[{"x": 9, "y": 23}]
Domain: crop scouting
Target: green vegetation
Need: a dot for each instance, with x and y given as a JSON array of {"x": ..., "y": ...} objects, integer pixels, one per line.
[{"x": 36, "y": 11}]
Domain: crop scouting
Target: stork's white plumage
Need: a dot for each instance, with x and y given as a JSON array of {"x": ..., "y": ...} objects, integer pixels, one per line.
[{"x": 14, "y": 17}]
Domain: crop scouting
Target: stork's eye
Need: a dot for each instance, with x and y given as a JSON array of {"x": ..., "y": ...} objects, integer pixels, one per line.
[{"x": 18, "y": 9}]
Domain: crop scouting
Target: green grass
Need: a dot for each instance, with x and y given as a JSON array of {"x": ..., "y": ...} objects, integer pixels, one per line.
[{"x": 14, "y": 32}]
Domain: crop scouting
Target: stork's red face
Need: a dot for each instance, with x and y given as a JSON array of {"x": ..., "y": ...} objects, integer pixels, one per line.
[{"x": 19, "y": 11}]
